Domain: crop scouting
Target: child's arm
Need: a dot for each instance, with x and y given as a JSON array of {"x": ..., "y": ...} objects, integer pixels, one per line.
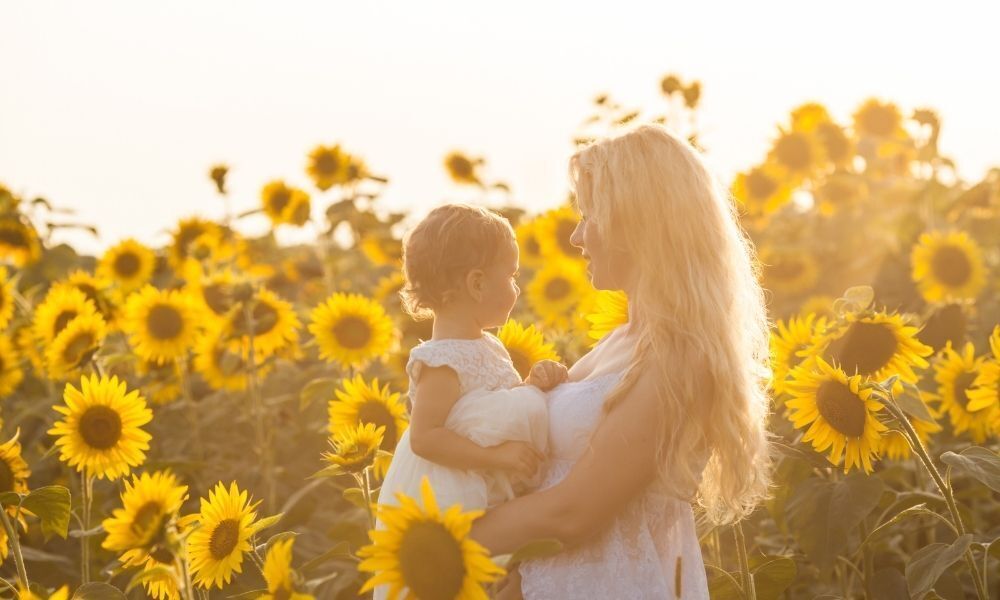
[{"x": 437, "y": 391}]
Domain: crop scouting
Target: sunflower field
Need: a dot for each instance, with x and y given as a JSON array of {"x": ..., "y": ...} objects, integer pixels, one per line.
[{"x": 212, "y": 418}]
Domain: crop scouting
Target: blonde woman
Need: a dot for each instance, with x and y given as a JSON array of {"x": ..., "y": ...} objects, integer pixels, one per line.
[{"x": 669, "y": 409}]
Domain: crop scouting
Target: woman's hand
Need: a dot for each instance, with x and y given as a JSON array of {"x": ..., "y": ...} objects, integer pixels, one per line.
[
  {"x": 519, "y": 458},
  {"x": 547, "y": 374}
]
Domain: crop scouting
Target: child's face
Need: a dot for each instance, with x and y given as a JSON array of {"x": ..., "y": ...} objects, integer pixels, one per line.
[{"x": 499, "y": 289}]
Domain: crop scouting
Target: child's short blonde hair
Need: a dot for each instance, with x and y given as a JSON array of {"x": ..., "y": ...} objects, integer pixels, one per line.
[{"x": 451, "y": 241}]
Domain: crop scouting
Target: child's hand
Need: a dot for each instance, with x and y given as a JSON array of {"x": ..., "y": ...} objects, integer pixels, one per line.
[
  {"x": 519, "y": 458},
  {"x": 547, "y": 374}
]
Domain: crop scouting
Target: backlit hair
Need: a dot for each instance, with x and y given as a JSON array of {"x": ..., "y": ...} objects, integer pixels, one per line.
[
  {"x": 699, "y": 311},
  {"x": 441, "y": 250}
]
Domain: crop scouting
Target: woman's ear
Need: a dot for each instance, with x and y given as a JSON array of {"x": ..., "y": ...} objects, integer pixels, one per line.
[{"x": 474, "y": 283}]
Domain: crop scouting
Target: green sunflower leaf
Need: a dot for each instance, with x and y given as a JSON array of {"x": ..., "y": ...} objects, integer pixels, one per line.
[
  {"x": 51, "y": 504},
  {"x": 98, "y": 591},
  {"x": 981, "y": 463},
  {"x": 930, "y": 562},
  {"x": 317, "y": 390}
]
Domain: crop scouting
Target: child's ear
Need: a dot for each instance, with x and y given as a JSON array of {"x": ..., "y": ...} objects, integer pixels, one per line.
[{"x": 474, "y": 282}]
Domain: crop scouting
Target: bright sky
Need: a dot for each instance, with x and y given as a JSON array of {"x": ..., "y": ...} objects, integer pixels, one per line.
[{"x": 118, "y": 109}]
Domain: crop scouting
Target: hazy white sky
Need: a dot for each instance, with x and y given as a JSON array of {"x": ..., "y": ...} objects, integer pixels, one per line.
[{"x": 118, "y": 109}]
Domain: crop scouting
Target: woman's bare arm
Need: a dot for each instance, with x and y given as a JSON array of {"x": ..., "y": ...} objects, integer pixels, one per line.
[{"x": 619, "y": 464}]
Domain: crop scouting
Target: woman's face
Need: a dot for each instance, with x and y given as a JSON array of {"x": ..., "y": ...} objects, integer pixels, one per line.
[{"x": 608, "y": 263}]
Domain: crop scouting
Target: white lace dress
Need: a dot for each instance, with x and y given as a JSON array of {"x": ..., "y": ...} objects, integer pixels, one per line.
[
  {"x": 651, "y": 549},
  {"x": 490, "y": 411}
]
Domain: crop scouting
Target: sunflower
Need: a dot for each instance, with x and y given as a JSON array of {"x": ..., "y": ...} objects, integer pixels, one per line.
[
  {"x": 6, "y": 299},
  {"x": 272, "y": 322},
  {"x": 11, "y": 373},
  {"x": 382, "y": 249},
  {"x": 553, "y": 230},
  {"x": 278, "y": 572},
  {"x": 61, "y": 305},
  {"x": 946, "y": 323},
  {"x": 162, "y": 324},
  {"x": 19, "y": 242},
  {"x": 789, "y": 271},
  {"x": 462, "y": 169},
  {"x": 809, "y": 116},
  {"x": 878, "y": 120},
  {"x": 221, "y": 363},
  {"x": 129, "y": 264},
  {"x": 526, "y": 346},
  {"x": 227, "y": 521},
  {"x": 896, "y": 447},
  {"x": 762, "y": 190},
  {"x": 96, "y": 289},
  {"x": 351, "y": 329},
  {"x": 955, "y": 372},
  {"x": 102, "y": 431},
  {"x": 877, "y": 345},
  {"x": 355, "y": 448},
  {"x": 357, "y": 402},
  {"x": 14, "y": 473},
  {"x": 218, "y": 176},
  {"x": 74, "y": 346},
  {"x": 837, "y": 146},
  {"x": 984, "y": 395},
  {"x": 839, "y": 191},
  {"x": 791, "y": 342},
  {"x": 427, "y": 553},
  {"x": 387, "y": 289},
  {"x": 556, "y": 290},
  {"x": 840, "y": 413},
  {"x": 149, "y": 502},
  {"x": 611, "y": 312},
  {"x": 31, "y": 593},
  {"x": 284, "y": 204},
  {"x": 328, "y": 166},
  {"x": 214, "y": 292},
  {"x": 160, "y": 382},
  {"x": 187, "y": 231},
  {"x": 821, "y": 305},
  {"x": 528, "y": 243},
  {"x": 947, "y": 266},
  {"x": 797, "y": 154}
]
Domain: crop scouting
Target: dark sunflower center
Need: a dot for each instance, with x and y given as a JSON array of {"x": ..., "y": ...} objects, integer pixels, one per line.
[
  {"x": 521, "y": 363},
  {"x": 327, "y": 163},
  {"x": 77, "y": 348},
  {"x": 865, "y": 348},
  {"x": 431, "y": 561},
  {"x": 265, "y": 317},
  {"x": 878, "y": 120},
  {"x": 962, "y": 384},
  {"x": 794, "y": 152},
  {"x": 147, "y": 521},
  {"x": 841, "y": 408},
  {"x": 279, "y": 199},
  {"x": 187, "y": 235},
  {"x": 224, "y": 538},
  {"x": 377, "y": 414},
  {"x": 352, "y": 332},
  {"x": 460, "y": 167},
  {"x": 62, "y": 321},
  {"x": 217, "y": 297},
  {"x": 228, "y": 363},
  {"x": 563, "y": 232},
  {"x": 100, "y": 427},
  {"x": 163, "y": 555},
  {"x": 760, "y": 185},
  {"x": 164, "y": 322},
  {"x": 127, "y": 264},
  {"x": 947, "y": 324},
  {"x": 6, "y": 477},
  {"x": 951, "y": 266},
  {"x": 557, "y": 289},
  {"x": 834, "y": 141},
  {"x": 13, "y": 237}
]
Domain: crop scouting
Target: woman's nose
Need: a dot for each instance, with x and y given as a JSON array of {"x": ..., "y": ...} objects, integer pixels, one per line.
[{"x": 576, "y": 238}]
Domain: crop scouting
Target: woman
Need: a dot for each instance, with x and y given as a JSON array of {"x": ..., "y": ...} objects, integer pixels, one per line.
[{"x": 668, "y": 409}]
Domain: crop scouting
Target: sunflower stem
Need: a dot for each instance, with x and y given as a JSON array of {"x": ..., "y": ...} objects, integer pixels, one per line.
[
  {"x": 190, "y": 410},
  {"x": 15, "y": 547},
  {"x": 364, "y": 482},
  {"x": 945, "y": 488},
  {"x": 87, "y": 483},
  {"x": 741, "y": 551},
  {"x": 259, "y": 408}
]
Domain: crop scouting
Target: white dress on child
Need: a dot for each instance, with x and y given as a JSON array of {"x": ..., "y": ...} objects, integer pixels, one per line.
[
  {"x": 491, "y": 410},
  {"x": 651, "y": 548}
]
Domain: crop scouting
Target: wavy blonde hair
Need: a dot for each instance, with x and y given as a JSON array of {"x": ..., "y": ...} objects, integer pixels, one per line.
[{"x": 699, "y": 311}]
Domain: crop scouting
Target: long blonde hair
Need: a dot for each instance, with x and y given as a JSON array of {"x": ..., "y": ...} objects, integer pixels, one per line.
[{"x": 698, "y": 309}]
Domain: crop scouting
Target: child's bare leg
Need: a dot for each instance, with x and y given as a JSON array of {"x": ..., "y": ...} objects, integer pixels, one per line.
[{"x": 511, "y": 588}]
